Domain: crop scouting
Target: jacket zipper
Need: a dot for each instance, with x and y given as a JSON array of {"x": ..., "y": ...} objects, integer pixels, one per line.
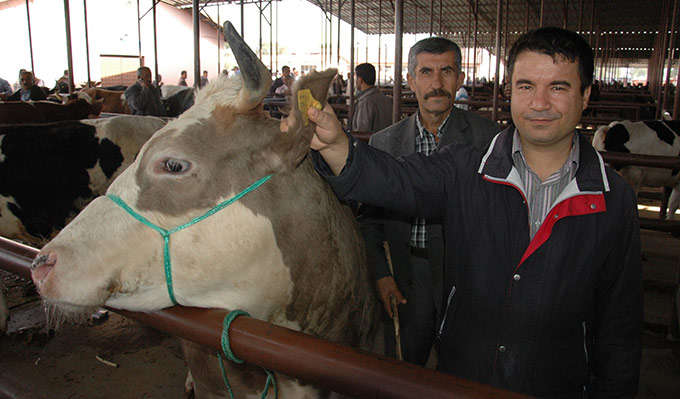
[
  {"x": 448, "y": 303},
  {"x": 585, "y": 347}
]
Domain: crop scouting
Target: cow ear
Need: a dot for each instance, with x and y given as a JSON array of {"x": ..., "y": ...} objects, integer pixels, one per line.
[{"x": 292, "y": 146}]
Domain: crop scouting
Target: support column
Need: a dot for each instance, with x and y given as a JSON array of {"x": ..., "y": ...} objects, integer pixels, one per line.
[
  {"x": 155, "y": 43},
  {"x": 87, "y": 47},
  {"x": 69, "y": 49},
  {"x": 350, "y": 83},
  {"x": 398, "y": 30},
  {"x": 139, "y": 34},
  {"x": 197, "y": 36},
  {"x": 474, "y": 50},
  {"x": 496, "y": 83},
  {"x": 30, "y": 36}
]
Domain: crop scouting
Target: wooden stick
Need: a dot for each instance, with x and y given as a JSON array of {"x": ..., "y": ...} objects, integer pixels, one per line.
[{"x": 393, "y": 305}]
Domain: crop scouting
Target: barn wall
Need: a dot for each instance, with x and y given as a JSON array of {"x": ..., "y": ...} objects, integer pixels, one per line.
[{"x": 112, "y": 29}]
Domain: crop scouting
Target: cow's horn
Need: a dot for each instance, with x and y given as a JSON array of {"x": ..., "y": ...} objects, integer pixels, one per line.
[{"x": 255, "y": 76}]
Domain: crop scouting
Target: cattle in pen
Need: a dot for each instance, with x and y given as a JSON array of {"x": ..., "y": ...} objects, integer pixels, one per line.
[
  {"x": 275, "y": 242},
  {"x": 49, "y": 172},
  {"x": 649, "y": 138},
  {"x": 14, "y": 112},
  {"x": 112, "y": 101}
]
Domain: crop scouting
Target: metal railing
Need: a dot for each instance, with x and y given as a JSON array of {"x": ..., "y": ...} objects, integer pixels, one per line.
[{"x": 321, "y": 363}]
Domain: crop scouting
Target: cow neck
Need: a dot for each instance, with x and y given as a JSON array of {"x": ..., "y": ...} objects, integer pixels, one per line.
[{"x": 166, "y": 233}]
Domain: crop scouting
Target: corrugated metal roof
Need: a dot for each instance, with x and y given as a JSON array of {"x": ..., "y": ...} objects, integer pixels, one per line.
[{"x": 630, "y": 26}]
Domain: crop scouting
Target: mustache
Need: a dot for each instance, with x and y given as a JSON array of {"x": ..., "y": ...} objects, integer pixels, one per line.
[
  {"x": 437, "y": 92},
  {"x": 541, "y": 115}
]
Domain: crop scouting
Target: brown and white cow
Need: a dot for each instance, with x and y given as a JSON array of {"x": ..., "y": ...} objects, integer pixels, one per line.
[
  {"x": 13, "y": 112},
  {"x": 649, "y": 138},
  {"x": 113, "y": 101},
  {"x": 287, "y": 252}
]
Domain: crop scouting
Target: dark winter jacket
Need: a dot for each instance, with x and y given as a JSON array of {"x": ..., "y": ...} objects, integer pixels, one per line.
[{"x": 557, "y": 316}]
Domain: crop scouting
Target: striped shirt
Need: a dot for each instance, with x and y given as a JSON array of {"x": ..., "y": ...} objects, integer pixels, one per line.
[
  {"x": 426, "y": 143},
  {"x": 541, "y": 195}
]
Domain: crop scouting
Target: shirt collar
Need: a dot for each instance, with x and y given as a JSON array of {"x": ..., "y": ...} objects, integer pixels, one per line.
[
  {"x": 422, "y": 131},
  {"x": 570, "y": 165}
]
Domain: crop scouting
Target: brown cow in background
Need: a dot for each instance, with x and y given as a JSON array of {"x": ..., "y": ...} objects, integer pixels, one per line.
[
  {"x": 112, "y": 101},
  {"x": 18, "y": 112}
]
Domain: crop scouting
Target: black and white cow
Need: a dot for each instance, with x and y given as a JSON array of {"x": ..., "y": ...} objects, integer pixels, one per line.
[
  {"x": 648, "y": 138},
  {"x": 284, "y": 249},
  {"x": 49, "y": 172}
]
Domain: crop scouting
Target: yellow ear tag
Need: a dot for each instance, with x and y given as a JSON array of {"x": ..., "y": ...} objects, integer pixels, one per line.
[{"x": 306, "y": 101}]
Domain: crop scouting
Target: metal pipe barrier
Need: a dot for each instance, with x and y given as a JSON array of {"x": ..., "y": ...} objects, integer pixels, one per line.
[
  {"x": 316, "y": 361},
  {"x": 655, "y": 161}
]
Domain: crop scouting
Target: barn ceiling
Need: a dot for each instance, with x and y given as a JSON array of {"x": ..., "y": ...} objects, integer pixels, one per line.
[{"x": 629, "y": 26}]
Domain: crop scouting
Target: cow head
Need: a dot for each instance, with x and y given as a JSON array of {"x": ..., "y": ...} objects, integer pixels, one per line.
[{"x": 210, "y": 154}]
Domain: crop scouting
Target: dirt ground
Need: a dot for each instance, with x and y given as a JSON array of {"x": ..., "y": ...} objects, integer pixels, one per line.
[
  {"x": 144, "y": 362},
  {"x": 149, "y": 363}
]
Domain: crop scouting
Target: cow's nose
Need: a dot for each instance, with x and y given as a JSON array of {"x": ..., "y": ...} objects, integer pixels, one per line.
[{"x": 41, "y": 267}]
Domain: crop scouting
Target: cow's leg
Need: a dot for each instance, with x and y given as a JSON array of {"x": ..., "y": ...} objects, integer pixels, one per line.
[
  {"x": 4, "y": 312},
  {"x": 673, "y": 202},
  {"x": 246, "y": 380}
]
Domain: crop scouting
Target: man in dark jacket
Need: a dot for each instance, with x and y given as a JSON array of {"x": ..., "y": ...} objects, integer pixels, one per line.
[
  {"x": 416, "y": 245},
  {"x": 372, "y": 109},
  {"x": 143, "y": 97},
  {"x": 28, "y": 91},
  {"x": 542, "y": 279}
]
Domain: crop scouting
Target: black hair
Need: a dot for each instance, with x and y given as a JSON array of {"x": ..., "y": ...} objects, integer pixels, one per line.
[
  {"x": 553, "y": 42},
  {"x": 366, "y": 72}
]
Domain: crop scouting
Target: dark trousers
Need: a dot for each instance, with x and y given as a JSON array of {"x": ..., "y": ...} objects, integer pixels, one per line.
[{"x": 418, "y": 324}]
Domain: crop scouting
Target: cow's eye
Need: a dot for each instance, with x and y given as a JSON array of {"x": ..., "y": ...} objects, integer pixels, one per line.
[{"x": 174, "y": 165}]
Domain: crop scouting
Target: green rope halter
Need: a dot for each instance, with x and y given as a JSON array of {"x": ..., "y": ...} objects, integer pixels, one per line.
[
  {"x": 226, "y": 348},
  {"x": 271, "y": 381},
  {"x": 166, "y": 233}
]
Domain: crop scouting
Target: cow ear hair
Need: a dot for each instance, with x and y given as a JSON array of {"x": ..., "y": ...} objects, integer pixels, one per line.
[{"x": 291, "y": 147}]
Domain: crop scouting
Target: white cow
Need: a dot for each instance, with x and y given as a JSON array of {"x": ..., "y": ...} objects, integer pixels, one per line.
[
  {"x": 648, "y": 138},
  {"x": 284, "y": 249}
]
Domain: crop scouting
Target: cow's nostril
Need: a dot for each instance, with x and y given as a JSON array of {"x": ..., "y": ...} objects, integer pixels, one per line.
[
  {"x": 39, "y": 261},
  {"x": 41, "y": 267}
]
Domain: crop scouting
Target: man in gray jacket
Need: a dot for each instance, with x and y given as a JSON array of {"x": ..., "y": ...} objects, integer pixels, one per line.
[
  {"x": 373, "y": 109},
  {"x": 416, "y": 245},
  {"x": 143, "y": 97}
]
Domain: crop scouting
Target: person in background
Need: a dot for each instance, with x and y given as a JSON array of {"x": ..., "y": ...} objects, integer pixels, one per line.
[
  {"x": 543, "y": 273},
  {"x": 182, "y": 79},
  {"x": 278, "y": 82},
  {"x": 158, "y": 83},
  {"x": 28, "y": 90},
  {"x": 462, "y": 95},
  {"x": 285, "y": 89},
  {"x": 144, "y": 98},
  {"x": 5, "y": 88},
  {"x": 204, "y": 79},
  {"x": 372, "y": 109},
  {"x": 17, "y": 85},
  {"x": 417, "y": 245}
]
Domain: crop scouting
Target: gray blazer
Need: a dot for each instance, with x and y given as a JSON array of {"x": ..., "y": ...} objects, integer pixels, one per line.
[{"x": 379, "y": 224}]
